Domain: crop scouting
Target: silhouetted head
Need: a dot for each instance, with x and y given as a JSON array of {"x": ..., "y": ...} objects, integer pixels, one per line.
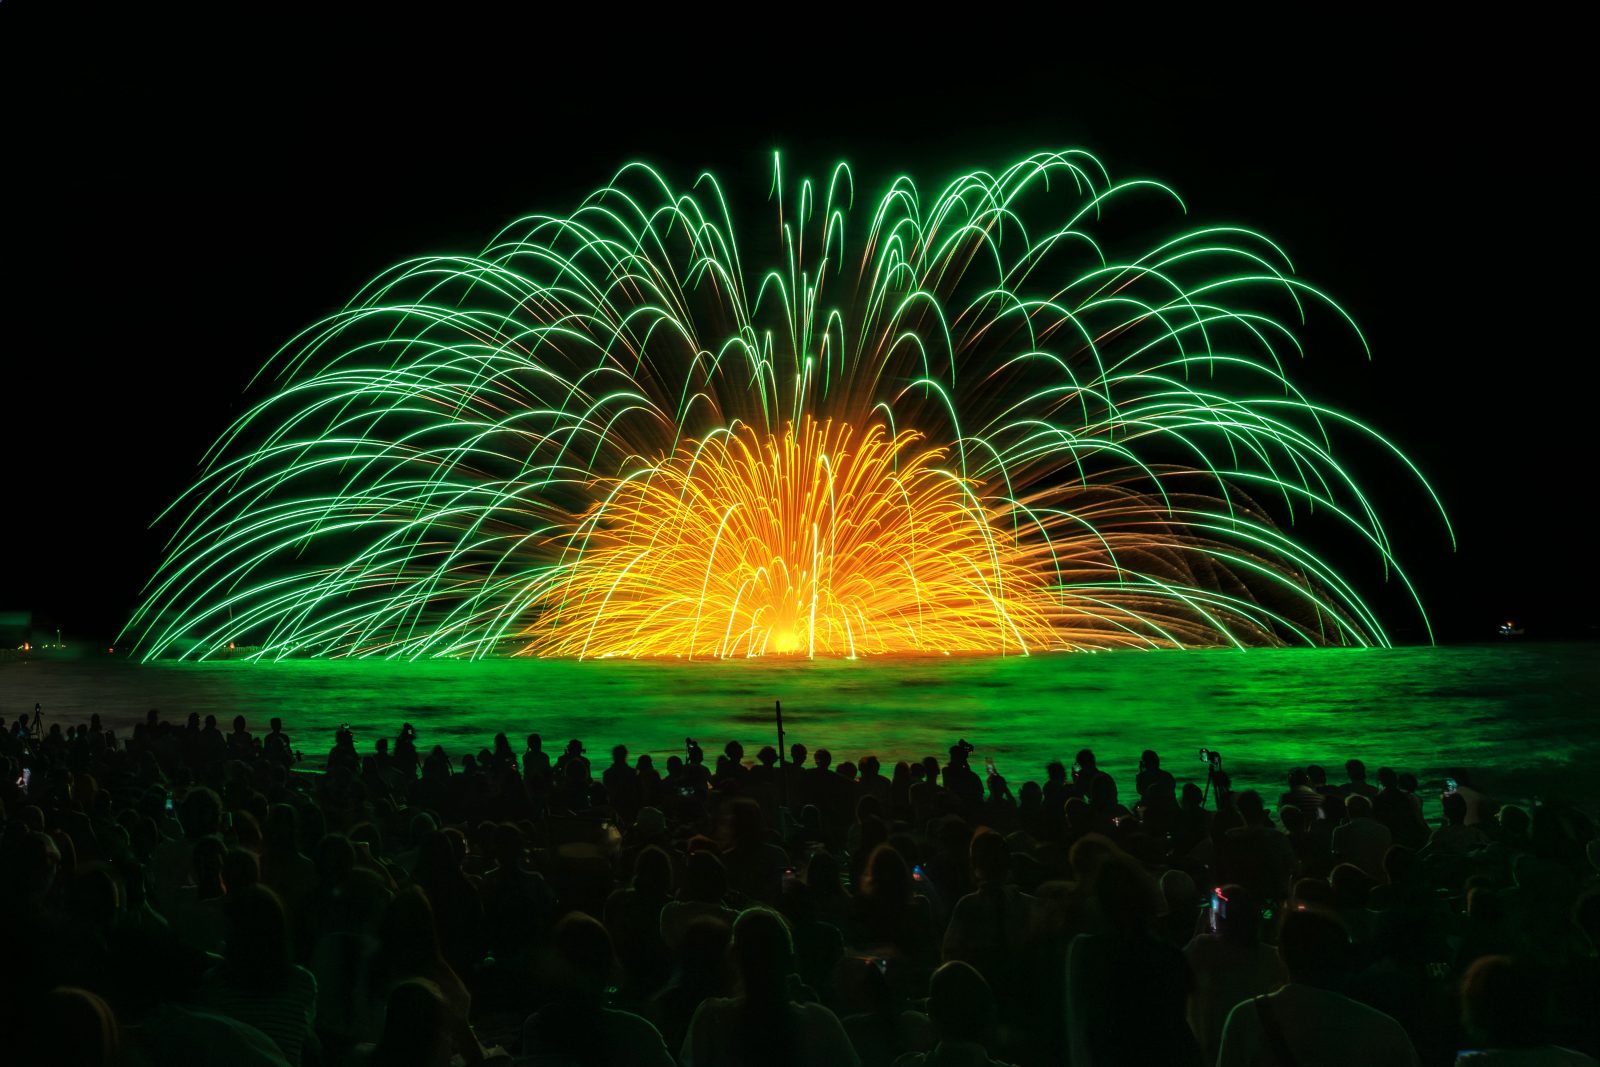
[
  {"x": 75, "y": 1028},
  {"x": 960, "y": 1004},
  {"x": 258, "y": 950},
  {"x": 824, "y": 759},
  {"x": 1454, "y": 806},
  {"x": 1357, "y": 806},
  {"x": 764, "y": 953},
  {"x": 1298, "y": 778},
  {"x": 652, "y": 872},
  {"x": 1149, "y": 761},
  {"x": 887, "y": 879},
  {"x": 619, "y": 755},
  {"x": 1388, "y": 778},
  {"x": 797, "y": 755},
  {"x": 200, "y": 813},
  {"x": 1355, "y": 770},
  {"x": 1055, "y": 771},
  {"x": 822, "y": 874},
  {"x": 583, "y": 956},
  {"x": 1085, "y": 761},
  {"x": 1317, "y": 775},
  {"x": 990, "y": 858},
  {"x": 416, "y": 1028},
  {"x": 744, "y": 821},
  {"x": 1315, "y": 948},
  {"x": 409, "y": 939},
  {"x": 1127, "y": 898},
  {"x": 1503, "y": 1005},
  {"x": 705, "y": 878},
  {"x": 1248, "y": 804},
  {"x": 276, "y": 724}
]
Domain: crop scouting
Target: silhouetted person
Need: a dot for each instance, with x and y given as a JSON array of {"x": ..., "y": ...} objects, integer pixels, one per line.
[
  {"x": 258, "y": 983},
  {"x": 1230, "y": 963},
  {"x": 962, "y": 1010},
  {"x": 1307, "y": 1021},
  {"x": 764, "y": 1024},
  {"x": 1505, "y": 1013},
  {"x": 576, "y": 1029},
  {"x": 1151, "y": 773},
  {"x": 1126, "y": 989}
]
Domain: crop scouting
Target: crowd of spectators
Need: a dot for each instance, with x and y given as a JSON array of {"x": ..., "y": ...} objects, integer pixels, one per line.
[{"x": 190, "y": 895}]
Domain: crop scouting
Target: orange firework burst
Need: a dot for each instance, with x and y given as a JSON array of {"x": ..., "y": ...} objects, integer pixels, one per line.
[{"x": 816, "y": 542}]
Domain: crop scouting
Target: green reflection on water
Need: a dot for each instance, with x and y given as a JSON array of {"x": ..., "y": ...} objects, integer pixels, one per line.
[{"x": 1522, "y": 714}]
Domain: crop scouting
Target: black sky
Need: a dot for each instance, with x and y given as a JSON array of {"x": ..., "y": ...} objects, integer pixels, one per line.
[{"x": 176, "y": 208}]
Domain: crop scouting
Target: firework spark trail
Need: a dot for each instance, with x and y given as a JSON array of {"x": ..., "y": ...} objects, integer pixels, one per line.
[{"x": 946, "y": 424}]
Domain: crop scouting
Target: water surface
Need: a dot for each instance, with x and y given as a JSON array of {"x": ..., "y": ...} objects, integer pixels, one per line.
[{"x": 1522, "y": 715}]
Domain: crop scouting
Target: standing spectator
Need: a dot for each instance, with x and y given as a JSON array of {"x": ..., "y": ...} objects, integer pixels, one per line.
[
  {"x": 1356, "y": 773},
  {"x": 1361, "y": 840}
]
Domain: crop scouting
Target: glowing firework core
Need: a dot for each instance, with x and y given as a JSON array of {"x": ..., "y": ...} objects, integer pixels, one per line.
[{"x": 821, "y": 542}]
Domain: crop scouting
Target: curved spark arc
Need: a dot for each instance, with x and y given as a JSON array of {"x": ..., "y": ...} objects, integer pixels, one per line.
[{"x": 966, "y": 403}]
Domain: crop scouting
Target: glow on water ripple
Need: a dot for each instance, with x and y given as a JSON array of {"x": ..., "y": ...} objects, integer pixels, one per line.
[{"x": 1522, "y": 715}]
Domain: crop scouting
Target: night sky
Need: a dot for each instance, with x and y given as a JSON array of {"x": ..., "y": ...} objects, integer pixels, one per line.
[{"x": 175, "y": 212}]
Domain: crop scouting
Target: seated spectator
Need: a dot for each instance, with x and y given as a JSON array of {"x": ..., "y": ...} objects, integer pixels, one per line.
[
  {"x": 890, "y": 918},
  {"x": 1230, "y": 963},
  {"x": 885, "y": 1028},
  {"x": 961, "y": 1008},
  {"x": 576, "y": 1028},
  {"x": 1454, "y": 836},
  {"x": 1307, "y": 1021},
  {"x": 75, "y": 1028},
  {"x": 416, "y": 1032},
  {"x": 764, "y": 1023},
  {"x": 701, "y": 970},
  {"x": 992, "y": 927},
  {"x": 633, "y": 919},
  {"x": 195, "y": 910},
  {"x": 705, "y": 885},
  {"x": 408, "y": 947},
  {"x": 755, "y": 867},
  {"x": 1504, "y": 1012},
  {"x": 1126, "y": 989},
  {"x": 258, "y": 982}
]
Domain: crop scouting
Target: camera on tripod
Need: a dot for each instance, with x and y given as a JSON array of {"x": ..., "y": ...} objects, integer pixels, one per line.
[{"x": 1211, "y": 758}]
